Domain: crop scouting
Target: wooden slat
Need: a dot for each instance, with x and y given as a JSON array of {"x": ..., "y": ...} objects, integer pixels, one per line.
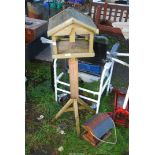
[
  {"x": 127, "y": 15},
  {"x": 115, "y": 14},
  {"x": 73, "y": 55},
  {"x": 62, "y": 110},
  {"x": 105, "y": 10},
  {"x": 121, "y": 15},
  {"x": 86, "y": 37},
  {"x": 110, "y": 14},
  {"x": 97, "y": 15},
  {"x": 72, "y": 109},
  {"x": 80, "y": 46},
  {"x": 91, "y": 42},
  {"x": 72, "y": 36},
  {"x": 94, "y": 14},
  {"x": 79, "y": 29},
  {"x": 76, "y": 116},
  {"x": 55, "y": 51},
  {"x": 73, "y": 73}
]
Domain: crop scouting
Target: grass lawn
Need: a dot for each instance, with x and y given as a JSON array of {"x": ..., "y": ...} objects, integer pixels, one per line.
[{"x": 43, "y": 138}]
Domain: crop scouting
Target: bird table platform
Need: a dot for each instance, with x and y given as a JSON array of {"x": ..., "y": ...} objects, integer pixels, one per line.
[
  {"x": 73, "y": 36},
  {"x": 98, "y": 127}
]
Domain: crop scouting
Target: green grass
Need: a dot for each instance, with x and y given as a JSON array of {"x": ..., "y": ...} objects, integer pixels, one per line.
[{"x": 43, "y": 136}]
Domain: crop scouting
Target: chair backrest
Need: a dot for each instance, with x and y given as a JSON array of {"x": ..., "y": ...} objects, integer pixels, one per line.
[{"x": 109, "y": 11}]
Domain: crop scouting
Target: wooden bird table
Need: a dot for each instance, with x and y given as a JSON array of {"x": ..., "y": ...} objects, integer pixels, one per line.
[
  {"x": 74, "y": 103},
  {"x": 72, "y": 35}
]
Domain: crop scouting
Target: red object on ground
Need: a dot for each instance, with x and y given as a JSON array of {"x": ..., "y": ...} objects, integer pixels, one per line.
[{"x": 120, "y": 116}]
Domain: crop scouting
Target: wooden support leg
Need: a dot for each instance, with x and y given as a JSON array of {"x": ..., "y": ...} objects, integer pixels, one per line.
[
  {"x": 76, "y": 117},
  {"x": 85, "y": 105},
  {"x": 63, "y": 109},
  {"x": 73, "y": 69}
]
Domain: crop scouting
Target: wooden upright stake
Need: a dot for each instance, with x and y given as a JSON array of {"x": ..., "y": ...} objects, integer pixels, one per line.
[
  {"x": 76, "y": 112},
  {"x": 73, "y": 72},
  {"x": 91, "y": 41}
]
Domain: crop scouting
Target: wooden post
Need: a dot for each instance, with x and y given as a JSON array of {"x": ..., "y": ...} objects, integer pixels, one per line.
[
  {"x": 54, "y": 45},
  {"x": 72, "y": 104},
  {"x": 72, "y": 36},
  {"x": 63, "y": 109},
  {"x": 73, "y": 72},
  {"x": 91, "y": 42},
  {"x": 76, "y": 112}
]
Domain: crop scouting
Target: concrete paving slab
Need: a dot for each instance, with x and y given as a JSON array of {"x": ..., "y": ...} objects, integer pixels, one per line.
[{"x": 45, "y": 55}]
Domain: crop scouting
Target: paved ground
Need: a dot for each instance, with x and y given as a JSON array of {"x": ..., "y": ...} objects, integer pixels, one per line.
[{"x": 45, "y": 55}]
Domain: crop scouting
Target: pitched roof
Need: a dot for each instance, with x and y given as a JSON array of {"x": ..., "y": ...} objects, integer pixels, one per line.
[{"x": 68, "y": 16}]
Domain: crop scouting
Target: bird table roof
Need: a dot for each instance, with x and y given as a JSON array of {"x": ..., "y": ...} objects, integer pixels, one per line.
[{"x": 69, "y": 16}]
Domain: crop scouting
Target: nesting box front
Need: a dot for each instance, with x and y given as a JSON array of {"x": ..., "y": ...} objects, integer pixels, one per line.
[{"x": 72, "y": 34}]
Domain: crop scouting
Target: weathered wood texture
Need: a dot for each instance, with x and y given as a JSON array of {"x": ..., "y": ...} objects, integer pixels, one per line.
[
  {"x": 73, "y": 73},
  {"x": 79, "y": 30},
  {"x": 63, "y": 109},
  {"x": 80, "y": 46},
  {"x": 78, "y": 49},
  {"x": 72, "y": 104},
  {"x": 92, "y": 140},
  {"x": 54, "y": 50},
  {"x": 76, "y": 113},
  {"x": 73, "y": 55},
  {"x": 104, "y": 14},
  {"x": 34, "y": 30}
]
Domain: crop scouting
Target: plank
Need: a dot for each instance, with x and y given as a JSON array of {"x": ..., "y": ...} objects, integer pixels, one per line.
[
  {"x": 72, "y": 109},
  {"x": 72, "y": 36},
  {"x": 62, "y": 110},
  {"x": 116, "y": 11},
  {"x": 91, "y": 42},
  {"x": 76, "y": 116},
  {"x": 80, "y": 46},
  {"x": 121, "y": 15},
  {"x": 73, "y": 73},
  {"x": 55, "y": 50},
  {"x": 73, "y": 55},
  {"x": 70, "y": 13},
  {"x": 127, "y": 16},
  {"x": 79, "y": 29},
  {"x": 110, "y": 12},
  {"x": 85, "y": 105}
]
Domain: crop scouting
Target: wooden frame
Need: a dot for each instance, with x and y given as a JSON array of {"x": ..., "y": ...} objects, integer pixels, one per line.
[
  {"x": 108, "y": 13},
  {"x": 84, "y": 46},
  {"x": 72, "y": 24},
  {"x": 69, "y": 25},
  {"x": 74, "y": 102}
]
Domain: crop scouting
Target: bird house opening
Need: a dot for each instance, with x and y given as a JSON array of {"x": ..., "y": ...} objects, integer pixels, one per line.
[{"x": 68, "y": 46}]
